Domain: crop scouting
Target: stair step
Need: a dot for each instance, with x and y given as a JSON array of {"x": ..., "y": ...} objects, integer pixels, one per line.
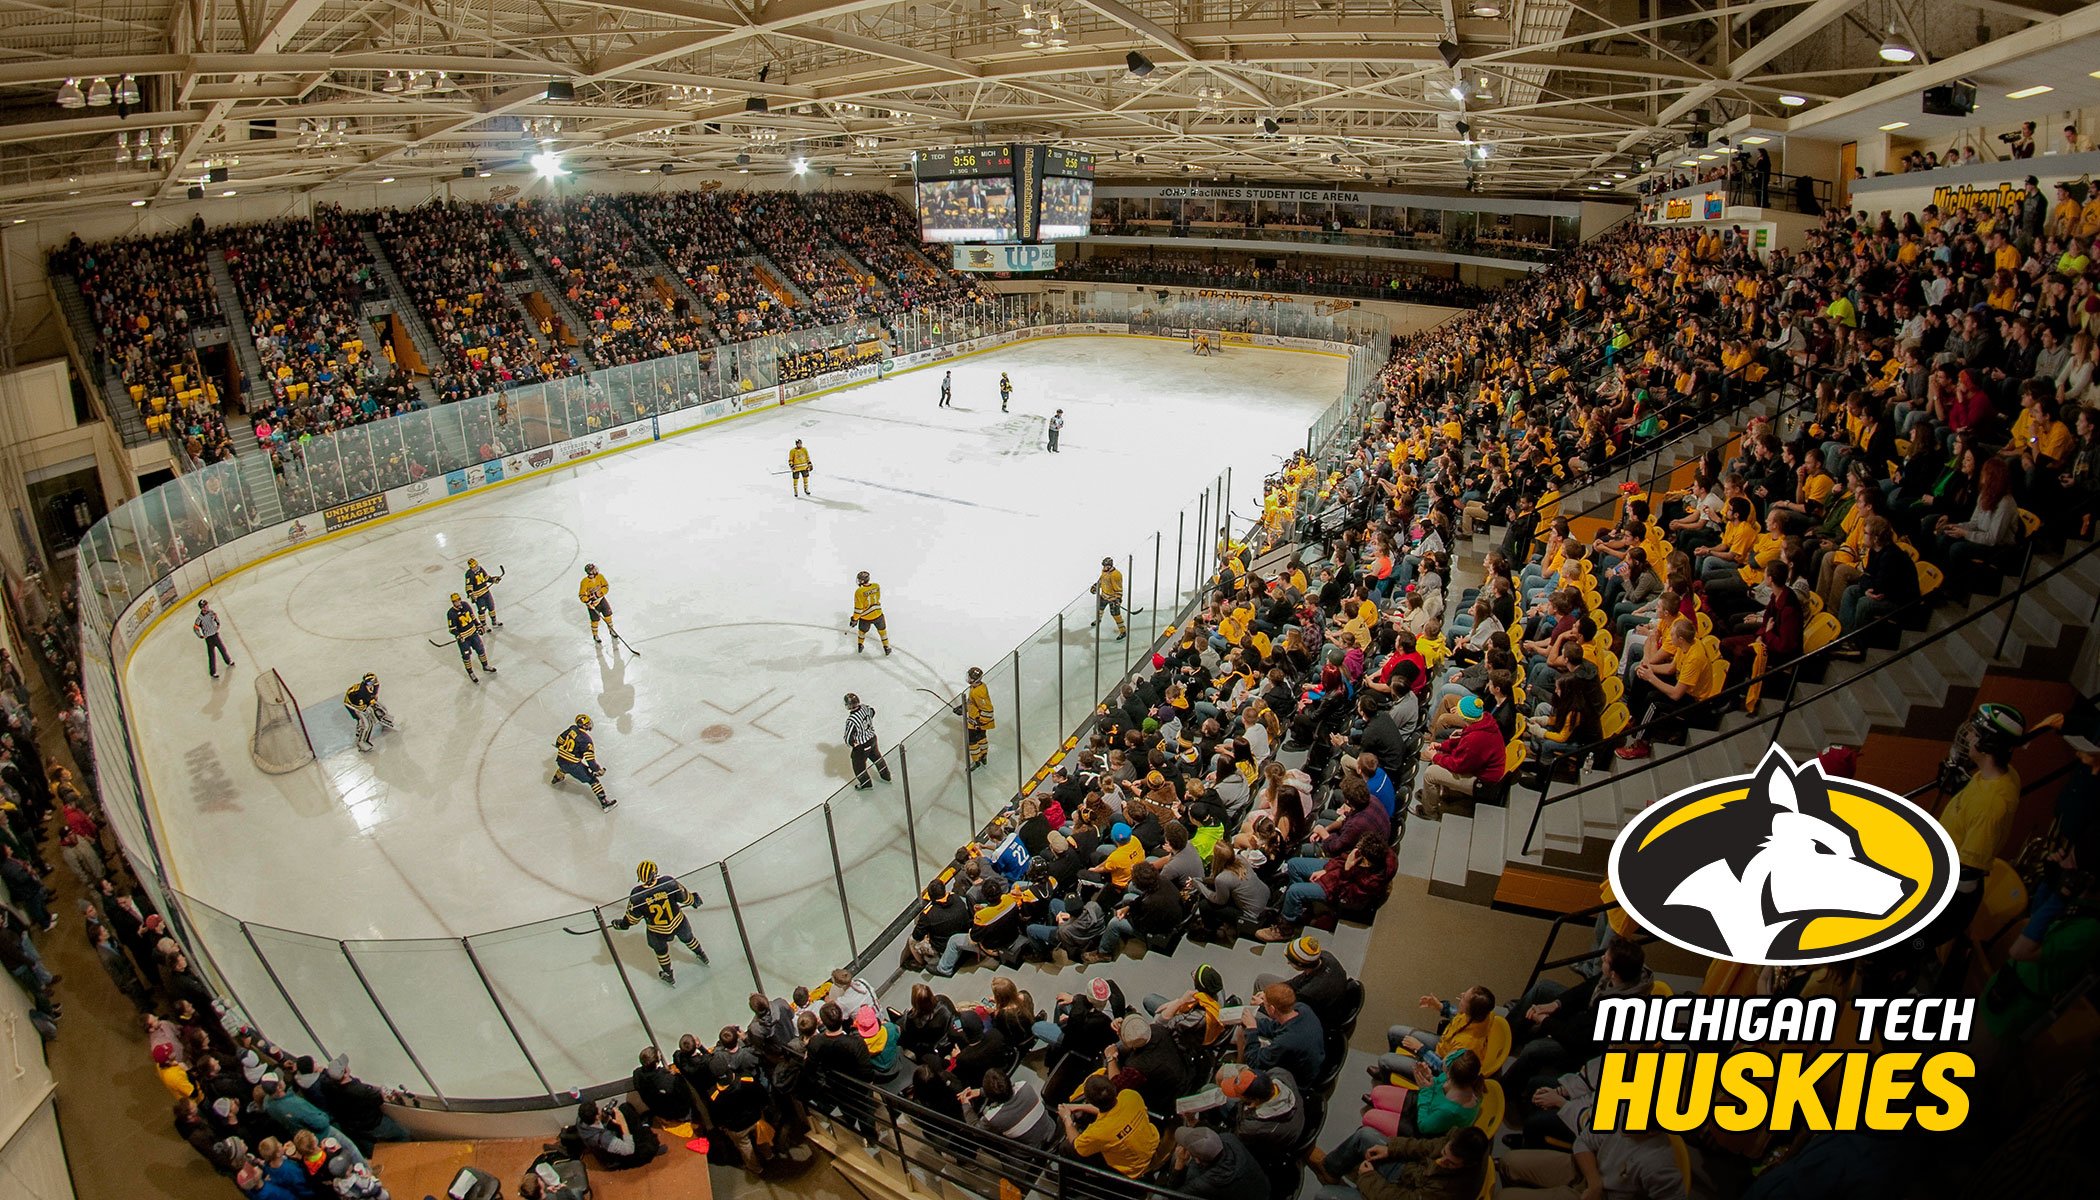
[
  {"x": 1516, "y": 823},
  {"x": 1417, "y": 850},
  {"x": 1560, "y": 827},
  {"x": 1454, "y": 849},
  {"x": 1484, "y": 846}
]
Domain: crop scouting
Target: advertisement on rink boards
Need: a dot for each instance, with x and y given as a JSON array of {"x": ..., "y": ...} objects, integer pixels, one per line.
[{"x": 354, "y": 512}]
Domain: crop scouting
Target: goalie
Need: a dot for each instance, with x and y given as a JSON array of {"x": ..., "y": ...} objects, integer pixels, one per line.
[
  {"x": 361, "y": 700},
  {"x": 658, "y": 902},
  {"x": 1201, "y": 344}
]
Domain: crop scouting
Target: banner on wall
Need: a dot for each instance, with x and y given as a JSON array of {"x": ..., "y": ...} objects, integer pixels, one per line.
[
  {"x": 467, "y": 478},
  {"x": 356, "y": 512},
  {"x": 1008, "y": 259},
  {"x": 1715, "y": 204}
]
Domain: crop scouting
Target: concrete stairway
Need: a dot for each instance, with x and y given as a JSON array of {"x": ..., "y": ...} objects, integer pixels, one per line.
[
  {"x": 661, "y": 268},
  {"x": 404, "y": 307},
  {"x": 258, "y": 478},
  {"x": 1465, "y": 857},
  {"x": 254, "y": 391},
  {"x": 544, "y": 282},
  {"x": 776, "y": 281},
  {"x": 851, "y": 261},
  {"x": 123, "y": 413}
]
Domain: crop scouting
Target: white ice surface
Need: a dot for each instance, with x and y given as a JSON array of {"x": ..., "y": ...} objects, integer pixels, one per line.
[{"x": 725, "y": 728}]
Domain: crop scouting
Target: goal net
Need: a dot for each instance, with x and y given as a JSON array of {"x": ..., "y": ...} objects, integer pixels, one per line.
[
  {"x": 1206, "y": 341},
  {"x": 280, "y": 743}
]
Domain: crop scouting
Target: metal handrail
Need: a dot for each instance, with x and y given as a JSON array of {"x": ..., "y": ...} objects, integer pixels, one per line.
[{"x": 1790, "y": 702}]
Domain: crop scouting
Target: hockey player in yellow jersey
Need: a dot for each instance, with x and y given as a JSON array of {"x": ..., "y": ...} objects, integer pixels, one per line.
[
  {"x": 798, "y": 469},
  {"x": 867, "y": 614},
  {"x": 1108, "y": 594},
  {"x": 976, "y": 709},
  {"x": 594, "y": 591}
]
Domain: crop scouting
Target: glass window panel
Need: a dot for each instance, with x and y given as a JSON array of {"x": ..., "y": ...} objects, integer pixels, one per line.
[
  {"x": 706, "y": 997},
  {"x": 228, "y": 959},
  {"x": 565, "y": 994},
  {"x": 789, "y": 898},
  {"x": 437, "y": 1001},
  {"x": 326, "y": 990},
  {"x": 941, "y": 803}
]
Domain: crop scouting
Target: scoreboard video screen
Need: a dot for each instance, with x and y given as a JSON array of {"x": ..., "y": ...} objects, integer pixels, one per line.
[
  {"x": 967, "y": 194},
  {"x": 1003, "y": 193},
  {"x": 1067, "y": 195}
]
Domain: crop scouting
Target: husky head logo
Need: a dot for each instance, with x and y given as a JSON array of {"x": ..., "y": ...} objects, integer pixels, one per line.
[{"x": 1783, "y": 867}]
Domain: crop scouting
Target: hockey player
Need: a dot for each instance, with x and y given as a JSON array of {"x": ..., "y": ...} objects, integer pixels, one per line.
[
  {"x": 1108, "y": 594},
  {"x": 576, "y": 757},
  {"x": 867, "y": 614},
  {"x": 860, "y": 739},
  {"x": 658, "y": 903},
  {"x": 361, "y": 700},
  {"x": 466, "y": 632},
  {"x": 593, "y": 591},
  {"x": 947, "y": 389},
  {"x": 479, "y": 589},
  {"x": 798, "y": 468},
  {"x": 1006, "y": 390},
  {"x": 976, "y": 710}
]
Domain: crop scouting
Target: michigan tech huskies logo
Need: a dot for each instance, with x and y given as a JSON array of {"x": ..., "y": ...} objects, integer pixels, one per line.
[{"x": 1783, "y": 867}]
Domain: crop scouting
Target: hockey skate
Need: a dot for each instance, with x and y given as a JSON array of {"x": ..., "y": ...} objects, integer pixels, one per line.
[
  {"x": 607, "y": 804},
  {"x": 664, "y": 973}
]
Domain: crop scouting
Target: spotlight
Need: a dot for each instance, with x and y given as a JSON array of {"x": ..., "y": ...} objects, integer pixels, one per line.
[
  {"x": 548, "y": 164},
  {"x": 560, "y": 89},
  {"x": 1793, "y": 101},
  {"x": 128, "y": 90},
  {"x": 1139, "y": 65},
  {"x": 99, "y": 94},
  {"x": 1894, "y": 49},
  {"x": 1450, "y": 52},
  {"x": 70, "y": 95},
  {"x": 801, "y": 166}
]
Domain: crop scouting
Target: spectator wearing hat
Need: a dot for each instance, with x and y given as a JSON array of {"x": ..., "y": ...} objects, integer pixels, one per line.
[
  {"x": 1282, "y": 1033},
  {"x": 1206, "y": 987},
  {"x": 1084, "y": 1023},
  {"x": 1214, "y": 1166},
  {"x": 358, "y": 1108},
  {"x": 173, "y": 1076},
  {"x": 253, "y": 1182},
  {"x": 1264, "y": 1108},
  {"x": 885, "y": 1048},
  {"x": 1476, "y": 755},
  {"x": 1120, "y": 1135},
  {"x": 1321, "y": 980},
  {"x": 1979, "y": 819}
]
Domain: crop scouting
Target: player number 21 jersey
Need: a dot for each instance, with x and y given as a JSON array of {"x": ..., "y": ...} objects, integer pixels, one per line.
[{"x": 660, "y": 904}]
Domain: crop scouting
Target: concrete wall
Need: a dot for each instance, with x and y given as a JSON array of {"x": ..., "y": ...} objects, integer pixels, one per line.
[{"x": 41, "y": 438}]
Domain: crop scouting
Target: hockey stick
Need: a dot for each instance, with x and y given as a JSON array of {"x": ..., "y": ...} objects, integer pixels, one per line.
[
  {"x": 623, "y": 641},
  {"x": 945, "y": 701}
]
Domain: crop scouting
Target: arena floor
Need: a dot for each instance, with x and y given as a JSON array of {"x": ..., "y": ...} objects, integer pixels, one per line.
[{"x": 727, "y": 726}]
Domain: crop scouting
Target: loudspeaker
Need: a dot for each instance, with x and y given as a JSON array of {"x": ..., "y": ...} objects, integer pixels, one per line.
[
  {"x": 755, "y": 104},
  {"x": 1696, "y": 140},
  {"x": 195, "y": 192},
  {"x": 466, "y": 172},
  {"x": 1139, "y": 65},
  {"x": 216, "y": 175},
  {"x": 1450, "y": 52},
  {"x": 560, "y": 89},
  {"x": 1957, "y": 99}
]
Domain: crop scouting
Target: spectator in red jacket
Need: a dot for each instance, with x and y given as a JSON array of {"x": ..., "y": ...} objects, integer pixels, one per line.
[{"x": 1475, "y": 756}]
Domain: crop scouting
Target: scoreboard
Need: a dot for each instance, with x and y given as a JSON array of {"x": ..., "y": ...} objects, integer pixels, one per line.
[{"x": 1003, "y": 193}]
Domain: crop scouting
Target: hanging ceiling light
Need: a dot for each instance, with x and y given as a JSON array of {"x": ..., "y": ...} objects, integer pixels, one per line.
[
  {"x": 1030, "y": 27},
  {"x": 123, "y": 148},
  {"x": 70, "y": 95},
  {"x": 128, "y": 90},
  {"x": 393, "y": 83},
  {"x": 167, "y": 144},
  {"x": 1056, "y": 33},
  {"x": 99, "y": 94},
  {"x": 1894, "y": 49}
]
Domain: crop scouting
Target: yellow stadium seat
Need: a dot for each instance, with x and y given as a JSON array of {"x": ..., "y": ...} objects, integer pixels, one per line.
[
  {"x": 1518, "y": 732},
  {"x": 1822, "y": 629},
  {"x": 1616, "y": 715},
  {"x": 1492, "y": 1107},
  {"x": 1815, "y": 603},
  {"x": 1929, "y": 578},
  {"x": 1513, "y": 758},
  {"x": 1706, "y": 625},
  {"x": 1614, "y": 688},
  {"x": 2030, "y": 522}
]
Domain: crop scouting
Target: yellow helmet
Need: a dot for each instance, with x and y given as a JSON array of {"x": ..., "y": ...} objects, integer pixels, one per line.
[
  {"x": 455, "y": 598},
  {"x": 583, "y": 720},
  {"x": 644, "y": 871}
]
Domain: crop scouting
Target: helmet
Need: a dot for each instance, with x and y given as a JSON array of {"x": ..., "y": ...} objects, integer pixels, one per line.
[
  {"x": 590, "y": 568},
  {"x": 455, "y": 598},
  {"x": 644, "y": 871},
  {"x": 583, "y": 720},
  {"x": 1996, "y": 728},
  {"x": 863, "y": 577},
  {"x": 371, "y": 678},
  {"x": 473, "y": 562},
  {"x": 976, "y": 673},
  {"x": 1108, "y": 564},
  {"x": 852, "y": 700},
  {"x": 203, "y": 604}
]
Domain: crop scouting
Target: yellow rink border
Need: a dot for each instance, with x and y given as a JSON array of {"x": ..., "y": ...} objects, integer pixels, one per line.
[{"x": 152, "y": 796}]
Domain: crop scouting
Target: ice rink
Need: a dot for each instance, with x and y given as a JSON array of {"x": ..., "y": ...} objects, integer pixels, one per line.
[{"x": 728, "y": 724}]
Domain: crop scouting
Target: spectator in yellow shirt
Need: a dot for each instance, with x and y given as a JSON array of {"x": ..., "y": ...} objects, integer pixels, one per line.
[
  {"x": 1121, "y": 1136},
  {"x": 1978, "y": 819}
]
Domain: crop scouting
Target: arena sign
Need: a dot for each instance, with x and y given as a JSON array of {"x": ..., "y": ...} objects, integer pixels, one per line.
[{"x": 1002, "y": 259}]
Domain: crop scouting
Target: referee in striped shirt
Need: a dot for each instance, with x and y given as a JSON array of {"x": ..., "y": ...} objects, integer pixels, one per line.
[{"x": 860, "y": 737}]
